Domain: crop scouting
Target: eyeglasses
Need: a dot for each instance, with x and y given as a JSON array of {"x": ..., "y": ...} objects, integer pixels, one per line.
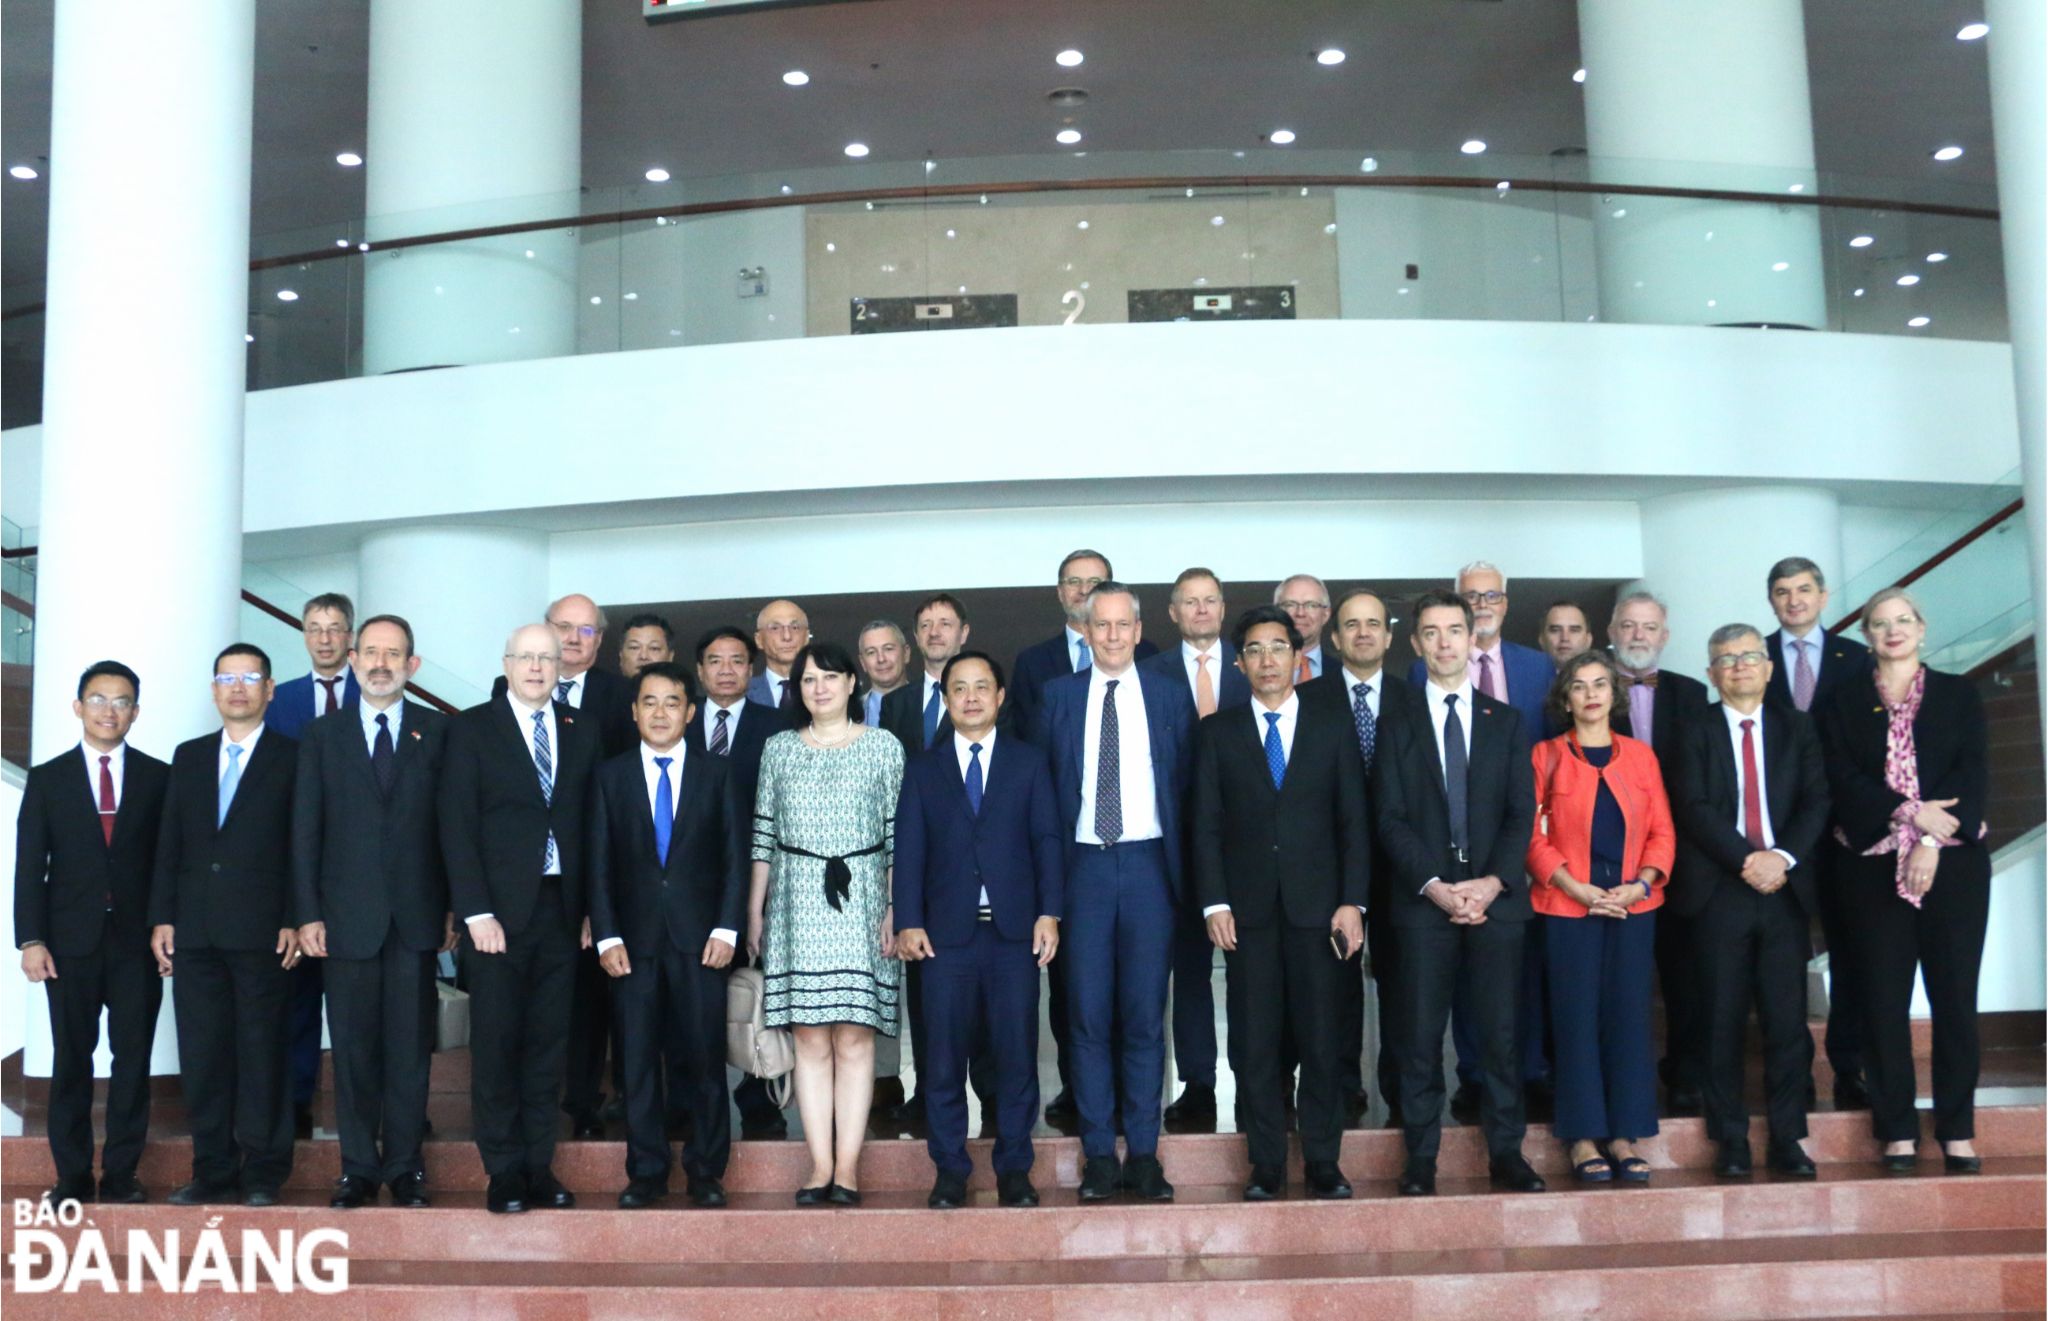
[
  {"x": 534, "y": 658},
  {"x": 1260, "y": 650},
  {"x": 785, "y": 627},
  {"x": 253, "y": 679},
  {"x": 101, "y": 702},
  {"x": 1484, "y": 598},
  {"x": 1292, "y": 607},
  {"x": 568, "y": 630},
  {"x": 1082, "y": 584},
  {"x": 326, "y": 630},
  {"x": 1730, "y": 659}
]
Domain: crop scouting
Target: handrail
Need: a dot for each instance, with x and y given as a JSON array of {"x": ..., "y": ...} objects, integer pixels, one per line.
[
  {"x": 1936, "y": 560},
  {"x": 283, "y": 616},
  {"x": 928, "y": 191}
]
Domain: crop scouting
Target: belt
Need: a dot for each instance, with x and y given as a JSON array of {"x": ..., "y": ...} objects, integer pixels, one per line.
[{"x": 838, "y": 876}]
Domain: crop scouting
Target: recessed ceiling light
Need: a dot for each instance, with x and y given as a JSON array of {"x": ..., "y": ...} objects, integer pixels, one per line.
[
  {"x": 1861, "y": 241},
  {"x": 1080, "y": 224},
  {"x": 952, "y": 233},
  {"x": 1368, "y": 165},
  {"x": 1472, "y": 146},
  {"x": 248, "y": 339},
  {"x": 341, "y": 243},
  {"x": 1919, "y": 321},
  {"x": 1908, "y": 281},
  {"x": 1067, "y": 59},
  {"x": 22, "y": 171},
  {"x": 1067, "y": 137},
  {"x": 1796, "y": 188},
  {"x": 1948, "y": 153},
  {"x": 1330, "y": 228},
  {"x": 1579, "y": 76},
  {"x": 348, "y": 159},
  {"x": 657, "y": 175},
  {"x": 1329, "y": 56},
  {"x": 1215, "y": 220},
  {"x": 1280, "y": 137},
  {"x": 1781, "y": 265},
  {"x": 786, "y": 190},
  {"x": 1973, "y": 31},
  {"x": 1857, "y": 294},
  {"x": 1937, "y": 256},
  {"x": 796, "y": 77},
  {"x": 287, "y": 296},
  {"x": 856, "y": 149}
]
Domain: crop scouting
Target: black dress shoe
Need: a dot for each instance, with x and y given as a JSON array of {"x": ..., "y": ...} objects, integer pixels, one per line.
[
  {"x": 841, "y": 1195},
  {"x": 1418, "y": 1179},
  {"x": 949, "y": 1192},
  {"x": 1950, "y": 1164},
  {"x": 122, "y": 1186},
  {"x": 1196, "y": 1104},
  {"x": 1904, "y": 1162},
  {"x": 1512, "y": 1174},
  {"x": 1013, "y": 1188},
  {"x": 640, "y": 1194},
  {"x": 200, "y": 1193},
  {"x": 76, "y": 1188},
  {"x": 1145, "y": 1179},
  {"x": 351, "y": 1192},
  {"x": 506, "y": 1194},
  {"x": 260, "y": 1197},
  {"x": 1268, "y": 1183},
  {"x": 1465, "y": 1106},
  {"x": 706, "y": 1193},
  {"x": 811, "y": 1196},
  {"x": 1100, "y": 1179},
  {"x": 1788, "y": 1158},
  {"x": 302, "y": 1122},
  {"x": 1732, "y": 1160},
  {"x": 1325, "y": 1181},
  {"x": 1063, "y": 1106},
  {"x": 888, "y": 1097},
  {"x": 544, "y": 1190},
  {"x": 1851, "y": 1093},
  {"x": 410, "y": 1190}
]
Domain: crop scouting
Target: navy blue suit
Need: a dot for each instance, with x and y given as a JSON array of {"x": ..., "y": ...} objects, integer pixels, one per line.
[
  {"x": 982, "y": 983},
  {"x": 296, "y": 703},
  {"x": 1122, "y": 899},
  {"x": 1194, "y": 957},
  {"x": 1038, "y": 665}
]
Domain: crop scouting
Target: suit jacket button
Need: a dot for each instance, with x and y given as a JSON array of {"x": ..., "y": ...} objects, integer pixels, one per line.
[{"x": 216, "y": 866}]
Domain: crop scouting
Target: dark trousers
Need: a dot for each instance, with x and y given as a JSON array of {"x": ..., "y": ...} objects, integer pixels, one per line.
[
  {"x": 1277, "y": 975},
  {"x": 1194, "y": 1000},
  {"x": 980, "y": 998},
  {"x": 1752, "y": 952},
  {"x": 592, "y": 1039},
  {"x": 981, "y": 1068},
  {"x": 1687, "y": 1020},
  {"x": 1846, "y": 1035},
  {"x": 671, "y": 1018},
  {"x": 1944, "y": 938},
  {"x": 308, "y": 986},
  {"x": 1599, "y": 972},
  {"x": 519, "y": 1037},
  {"x": 381, "y": 1017},
  {"x": 124, "y": 980},
  {"x": 1484, "y": 962},
  {"x": 1383, "y": 947},
  {"x": 1118, "y": 948},
  {"x": 1531, "y": 1045},
  {"x": 233, "y": 1009}
]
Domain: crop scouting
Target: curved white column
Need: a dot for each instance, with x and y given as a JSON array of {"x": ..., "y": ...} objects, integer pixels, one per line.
[
  {"x": 463, "y": 588},
  {"x": 475, "y": 119},
  {"x": 1694, "y": 95}
]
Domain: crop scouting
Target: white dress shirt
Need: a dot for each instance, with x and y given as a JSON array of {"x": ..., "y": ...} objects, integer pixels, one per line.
[
  {"x": 1372, "y": 690},
  {"x": 1134, "y": 759},
  {"x": 522, "y": 718},
  {"x": 777, "y": 684},
  {"x": 652, "y": 773},
  {"x": 1074, "y": 644},
  {"x": 1763, "y": 788},
  {"x": 117, "y": 766},
  {"x": 1496, "y": 653},
  {"x": 248, "y": 747},
  {"x": 396, "y": 712},
  {"x": 1435, "y": 696},
  {"x": 1810, "y": 643},
  {"x": 1188, "y": 660},
  {"x": 575, "y": 694},
  {"x": 732, "y": 723},
  {"x": 963, "y": 749},
  {"x": 1314, "y": 656}
]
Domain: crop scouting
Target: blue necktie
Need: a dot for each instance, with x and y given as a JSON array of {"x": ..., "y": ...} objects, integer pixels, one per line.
[
  {"x": 664, "y": 810},
  {"x": 931, "y": 716},
  {"x": 974, "y": 778},
  {"x": 544, "y": 762},
  {"x": 563, "y": 689},
  {"x": 1109, "y": 784},
  {"x": 1087, "y": 658},
  {"x": 228, "y": 783},
  {"x": 1276, "y": 756},
  {"x": 1361, "y": 716}
]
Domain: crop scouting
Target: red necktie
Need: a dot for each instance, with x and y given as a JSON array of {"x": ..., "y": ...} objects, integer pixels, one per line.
[
  {"x": 107, "y": 799},
  {"x": 1752, "y": 797},
  {"x": 329, "y": 686}
]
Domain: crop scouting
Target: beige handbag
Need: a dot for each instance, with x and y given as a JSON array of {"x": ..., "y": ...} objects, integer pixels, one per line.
[{"x": 751, "y": 1046}]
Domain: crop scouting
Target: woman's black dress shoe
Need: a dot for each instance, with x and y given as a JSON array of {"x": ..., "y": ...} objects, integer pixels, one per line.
[
  {"x": 839, "y": 1196},
  {"x": 1902, "y": 1162},
  {"x": 1962, "y": 1164},
  {"x": 811, "y": 1196}
]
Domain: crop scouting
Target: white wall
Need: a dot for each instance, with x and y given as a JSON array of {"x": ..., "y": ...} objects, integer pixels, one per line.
[
  {"x": 1482, "y": 254},
  {"x": 649, "y": 285}
]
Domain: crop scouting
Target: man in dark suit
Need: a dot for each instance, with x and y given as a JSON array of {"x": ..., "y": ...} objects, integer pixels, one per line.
[
  {"x": 372, "y": 903},
  {"x": 1119, "y": 739},
  {"x": 514, "y": 778},
  {"x": 220, "y": 906},
  {"x": 1207, "y": 663},
  {"x": 646, "y": 640},
  {"x": 1280, "y": 856},
  {"x": 978, "y": 898},
  {"x": 1807, "y": 665},
  {"x": 84, "y": 844},
  {"x": 1455, "y": 805},
  {"x": 668, "y": 895},
  {"x": 1655, "y": 707},
  {"x": 1751, "y": 804},
  {"x": 1361, "y": 692},
  {"x": 327, "y": 624},
  {"x": 729, "y": 724}
]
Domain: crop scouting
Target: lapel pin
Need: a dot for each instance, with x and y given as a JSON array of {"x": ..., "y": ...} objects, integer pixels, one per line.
[{"x": 415, "y": 733}]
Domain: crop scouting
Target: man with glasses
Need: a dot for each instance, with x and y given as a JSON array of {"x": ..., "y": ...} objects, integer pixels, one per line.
[
  {"x": 1307, "y": 603},
  {"x": 222, "y": 918},
  {"x": 85, "y": 841},
  {"x": 514, "y": 780},
  {"x": 781, "y": 630}
]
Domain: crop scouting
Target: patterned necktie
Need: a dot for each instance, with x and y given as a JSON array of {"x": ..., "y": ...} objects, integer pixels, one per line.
[
  {"x": 563, "y": 689},
  {"x": 1361, "y": 716},
  {"x": 1802, "y": 675},
  {"x": 1276, "y": 756},
  {"x": 974, "y": 778},
  {"x": 720, "y": 738},
  {"x": 1454, "y": 774},
  {"x": 544, "y": 762},
  {"x": 229, "y": 782},
  {"x": 664, "y": 809},
  {"x": 1752, "y": 793},
  {"x": 1109, "y": 802},
  {"x": 384, "y": 757},
  {"x": 931, "y": 716},
  {"x": 330, "y": 703},
  {"x": 1303, "y": 671},
  {"x": 107, "y": 799},
  {"x": 1087, "y": 658},
  {"x": 1205, "y": 687},
  {"x": 1489, "y": 683}
]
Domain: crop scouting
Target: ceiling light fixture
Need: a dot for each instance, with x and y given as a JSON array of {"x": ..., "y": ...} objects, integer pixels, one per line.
[
  {"x": 1329, "y": 57},
  {"x": 348, "y": 160},
  {"x": 1068, "y": 58},
  {"x": 1907, "y": 281},
  {"x": 1579, "y": 76},
  {"x": 1368, "y": 165},
  {"x": 1973, "y": 31},
  {"x": 1781, "y": 265},
  {"x": 1937, "y": 257},
  {"x": 1861, "y": 241},
  {"x": 1472, "y": 146},
  {"x": 856, "y": 149},
  {"x": 1067, "y": 137},
  {"x": 1215, "y": 220},
  {"x": 22, "y": 171},
  {"x": 287, "y": 296},
  {"x": 1919, "y": 321},
  {"x": 1280, "y": 137},
  {"x": 796, "y": 78},
  {"x": 657, "y": 175},
  {"x": 1948, "y": 153}
]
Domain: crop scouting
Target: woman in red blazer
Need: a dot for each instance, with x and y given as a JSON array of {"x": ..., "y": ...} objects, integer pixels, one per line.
[{"x": 1598, "y": 860}]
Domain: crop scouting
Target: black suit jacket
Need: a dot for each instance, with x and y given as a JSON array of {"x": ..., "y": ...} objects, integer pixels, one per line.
[
  {"x": 1398, "y": 701},
  {"x": 1232, "y": 688},
  {"x": 1948, "y": 744},
  {"x": 1679, "y": 702},
  {"x": 1290, "y": 855},
  {"x": 494, "y": 822},
  {"x": 365, "y": 864},
  {"x": 903, "y": 716},
  {"x": 65, "y": 872},
  {"x": 1842, "y": 659},
  {"x": 1706, "y": 805},
  {"x": 1413, "y": 815},
  {"x": 1037, "y": 665},
  {"x": 607, "y": 695},
  {"x": 759, "y": 722},
  {"x": 226, "y": 887},
  {"x": 702, "y": 887}
]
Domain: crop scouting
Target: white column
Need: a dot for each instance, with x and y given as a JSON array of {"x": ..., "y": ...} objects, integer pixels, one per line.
[
  {"x": 2019, "y": 59},
  {"x": 475, "y": 119},
  {"x": 1684, "y": 94},
  {"x": 464, "y": 589},
  {"x": 1708, "y": 554}
]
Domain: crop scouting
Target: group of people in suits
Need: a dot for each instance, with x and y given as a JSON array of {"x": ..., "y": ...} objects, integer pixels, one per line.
[{"x": 1517, "y": 842}]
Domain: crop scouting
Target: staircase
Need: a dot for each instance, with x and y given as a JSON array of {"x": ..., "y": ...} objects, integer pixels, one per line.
[{"x": 2010, "y": 684}]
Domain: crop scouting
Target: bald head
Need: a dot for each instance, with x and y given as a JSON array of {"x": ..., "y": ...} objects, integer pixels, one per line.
[
  {"x": 579, "y": 624},
  {"x": 533, "y": 664},
  {"x": 781, "y": 630}
]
